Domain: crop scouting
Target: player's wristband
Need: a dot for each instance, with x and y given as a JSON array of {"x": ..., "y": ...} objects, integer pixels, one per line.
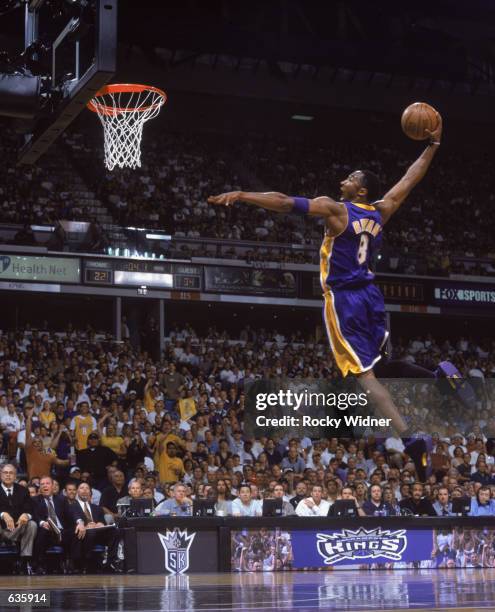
[
  {"x": 434, "y": 142},
  {"x": 301, "y": 206}
]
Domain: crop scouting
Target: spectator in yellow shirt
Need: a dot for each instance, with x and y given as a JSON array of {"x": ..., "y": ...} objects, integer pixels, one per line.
[
  {"x": 166, "y": 435},
  {"x": 150, "y": 396},
  {"x": 170, "y": 466},
  {"x": 46, "y": 416},
  {"x": 82, "y": 425},
  {"x": 109, "y": 437}
]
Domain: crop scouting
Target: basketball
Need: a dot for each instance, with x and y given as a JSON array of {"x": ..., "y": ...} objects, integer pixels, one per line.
[{"x": 417, "y": 118}]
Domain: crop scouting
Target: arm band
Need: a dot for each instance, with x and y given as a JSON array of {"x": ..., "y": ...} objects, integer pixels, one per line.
[{"x": 301, "y": 206}]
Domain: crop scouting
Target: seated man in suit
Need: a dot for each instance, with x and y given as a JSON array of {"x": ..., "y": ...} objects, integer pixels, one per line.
[
  {"x": 417, "y": 504},
  {"x": 55, "y": 525},
  {"x": 16, "y": 510},
  {"x": 90, "y": 529}
]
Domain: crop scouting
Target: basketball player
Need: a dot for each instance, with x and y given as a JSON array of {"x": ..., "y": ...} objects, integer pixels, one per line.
[{"x": 354, "y": 309}]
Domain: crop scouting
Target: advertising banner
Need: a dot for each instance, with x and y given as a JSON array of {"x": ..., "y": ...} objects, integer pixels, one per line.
[
  {"x": 464, "y": 294},
  {"x": 177, "y": 551},
  {"x": 42, "y": 268},
  {"x": 251, "y": 281},
  {"x": 361, "y": 548}
]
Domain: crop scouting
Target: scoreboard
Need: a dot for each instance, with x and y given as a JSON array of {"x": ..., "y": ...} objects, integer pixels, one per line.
[
  {"x": 136, "y": 273},
  {"x": 44, "y": 272}
]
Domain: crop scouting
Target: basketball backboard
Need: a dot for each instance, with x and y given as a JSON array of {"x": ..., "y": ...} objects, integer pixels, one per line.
[{"x": 74, "y": 46}]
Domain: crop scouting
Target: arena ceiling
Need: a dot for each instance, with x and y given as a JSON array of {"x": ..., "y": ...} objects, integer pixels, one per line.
[
  {"x": 306, "y": 52},
  {"x": 446, "y": 38}
]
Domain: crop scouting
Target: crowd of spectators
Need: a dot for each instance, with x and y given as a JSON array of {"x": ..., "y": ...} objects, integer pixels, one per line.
[
  {"x": 446, "y": 209},
  {"x": 88, "y": 424},
  {"x": 170, "y": 190},
  {"x": 38, "y": 194},
  {"x": 252, "y": 255}
]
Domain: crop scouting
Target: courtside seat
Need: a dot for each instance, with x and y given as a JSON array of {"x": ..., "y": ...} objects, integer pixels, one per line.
[
  {"x": 9, "y": 555},
  {"x": 8, "y": 550},
  {"x": 54, "y": 556},
  {"x": 98, "y": 556}
]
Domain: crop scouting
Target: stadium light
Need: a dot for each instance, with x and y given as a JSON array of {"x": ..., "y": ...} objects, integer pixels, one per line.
[
  {"x": 158, "y": 237},
  {"x": 43, "y": 228}
]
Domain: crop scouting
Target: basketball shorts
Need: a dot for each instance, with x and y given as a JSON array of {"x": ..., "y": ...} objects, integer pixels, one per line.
[{"x": 356, "y": 327}]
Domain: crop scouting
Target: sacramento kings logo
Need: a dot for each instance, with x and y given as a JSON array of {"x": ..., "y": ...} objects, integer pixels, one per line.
[
  {"x": 4, "y": 263},
  {"x": 361, "y": 544},
  {"x": 176, "y": 545}
]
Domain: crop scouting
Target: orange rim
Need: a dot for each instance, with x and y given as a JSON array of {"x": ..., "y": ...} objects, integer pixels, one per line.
[{"x": 97, "y": 107}]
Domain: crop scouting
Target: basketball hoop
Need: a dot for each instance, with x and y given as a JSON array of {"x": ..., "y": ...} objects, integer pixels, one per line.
[{"x": 123, "y": 109}]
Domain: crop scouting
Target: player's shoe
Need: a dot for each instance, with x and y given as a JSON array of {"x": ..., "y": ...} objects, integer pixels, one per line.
[
  {"x": 418, "y": 446},
  {"x": 451, "y": 382}
]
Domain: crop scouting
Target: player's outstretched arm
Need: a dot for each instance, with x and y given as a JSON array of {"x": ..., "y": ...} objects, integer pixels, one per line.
[
  {"x": 281, "y": 203},
  {"x": 393, "y": 199}
]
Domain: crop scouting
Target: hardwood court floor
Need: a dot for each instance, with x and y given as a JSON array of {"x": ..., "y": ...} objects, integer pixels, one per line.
[{"x": 350, "y": 591}]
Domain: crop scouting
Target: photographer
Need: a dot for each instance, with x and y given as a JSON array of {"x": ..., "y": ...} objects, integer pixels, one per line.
[{"x": 135, "y": 450}]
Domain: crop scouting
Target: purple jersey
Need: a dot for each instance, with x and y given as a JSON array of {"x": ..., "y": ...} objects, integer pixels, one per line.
[{"x": 345, "y": 259}]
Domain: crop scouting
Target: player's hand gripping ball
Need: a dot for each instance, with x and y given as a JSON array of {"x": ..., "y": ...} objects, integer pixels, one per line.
[{"x": 420, "y": 121}]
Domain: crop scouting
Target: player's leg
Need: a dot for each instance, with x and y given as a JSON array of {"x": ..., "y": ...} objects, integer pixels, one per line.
[
  {"x": 355, "y": 324},
  {"x": 354, "y": 341},
  {"x": 450, "y": 381},
  {"x": 382, "y": 400},
  {"x": 395, "y": 368},
  {"x": 341, "y": 315},
  {"x": 356, "y": 327},
  {"x": 374, "y": 320}
]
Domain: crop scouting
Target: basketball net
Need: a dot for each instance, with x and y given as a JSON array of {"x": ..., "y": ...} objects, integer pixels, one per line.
[{"x": 123, "y": 110}]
